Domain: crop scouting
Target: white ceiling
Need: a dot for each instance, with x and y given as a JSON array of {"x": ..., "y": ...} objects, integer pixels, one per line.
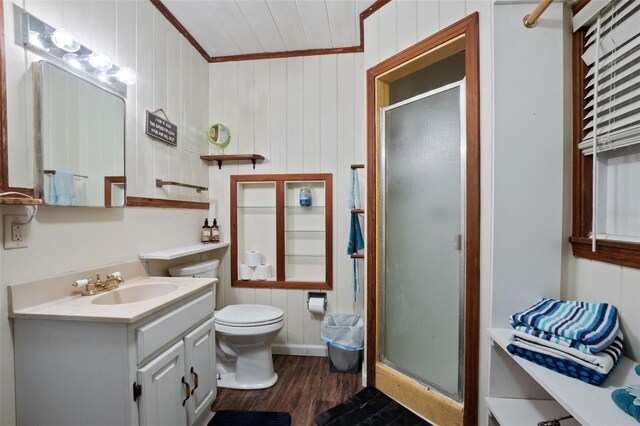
[{"x": 237, "y": 27}]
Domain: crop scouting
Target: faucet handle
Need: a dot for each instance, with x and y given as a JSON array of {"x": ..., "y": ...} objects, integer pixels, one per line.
[
  {"x": 115, "y": 276},
  {"x": 80, "y": 283}
]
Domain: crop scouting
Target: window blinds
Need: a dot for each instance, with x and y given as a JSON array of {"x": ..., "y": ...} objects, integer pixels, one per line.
[{"x": 617, "y": 82}]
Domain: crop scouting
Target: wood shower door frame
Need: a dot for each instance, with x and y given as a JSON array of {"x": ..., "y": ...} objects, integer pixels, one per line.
[{"x": 460, "y": 36}]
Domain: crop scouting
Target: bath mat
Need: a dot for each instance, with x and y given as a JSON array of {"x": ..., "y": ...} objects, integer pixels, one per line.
[
  {"x": 254, "y": 418},
  {"x": 369, "y": 407}
]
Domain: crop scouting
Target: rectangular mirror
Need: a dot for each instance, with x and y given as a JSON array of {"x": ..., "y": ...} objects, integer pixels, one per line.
[{"x": 80, "y": 130}]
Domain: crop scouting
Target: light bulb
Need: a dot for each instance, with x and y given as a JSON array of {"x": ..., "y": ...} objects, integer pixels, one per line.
[
  {"x": 73, "y": 60},
  {"x": 126, "y": 76},
  {"x": 35, "y": 40},
  {"x": 66, "y": 40},
  {"x": 103, "y": 77},
  {"x": 100, "y": 61}
]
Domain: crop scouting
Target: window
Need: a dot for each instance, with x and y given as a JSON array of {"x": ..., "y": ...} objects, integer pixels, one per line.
[{"x": 606, "y": 71}]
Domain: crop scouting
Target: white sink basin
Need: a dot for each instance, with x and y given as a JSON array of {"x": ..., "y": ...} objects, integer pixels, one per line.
[{"x": 136, "y": 293}]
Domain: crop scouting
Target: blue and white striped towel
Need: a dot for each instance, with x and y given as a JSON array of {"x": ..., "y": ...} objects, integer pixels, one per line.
[
  {"x": 588, "y": 327},
  {"x": 602, "y": 362}
]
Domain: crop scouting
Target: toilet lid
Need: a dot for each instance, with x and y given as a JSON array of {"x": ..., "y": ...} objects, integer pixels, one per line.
[{"x": 248, "y": 315}]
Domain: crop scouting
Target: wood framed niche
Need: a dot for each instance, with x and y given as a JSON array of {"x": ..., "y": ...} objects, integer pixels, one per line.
[{"x": 295, "y": 240}]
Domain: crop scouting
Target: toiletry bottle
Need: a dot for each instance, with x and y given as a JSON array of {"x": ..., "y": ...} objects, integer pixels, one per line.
[
  {"x": 205, "y": 236},
  {"x": 305, "y": 196},
  {"x": 215, "y": 231}
]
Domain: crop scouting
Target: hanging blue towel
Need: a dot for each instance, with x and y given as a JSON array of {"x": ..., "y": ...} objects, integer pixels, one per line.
[
  {"x": 354, "y": 191},
  {"x": 356, "y": 242},
  {"x": 62, "y": 191}
]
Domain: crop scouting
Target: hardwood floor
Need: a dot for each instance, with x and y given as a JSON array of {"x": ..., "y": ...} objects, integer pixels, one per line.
[{"x": 305, "y": 388}]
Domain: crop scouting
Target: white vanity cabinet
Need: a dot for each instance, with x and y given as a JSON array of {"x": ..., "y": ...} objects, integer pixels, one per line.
[
  {"x": 114, "y": 373},
  {"x": 162, "y": 386}
]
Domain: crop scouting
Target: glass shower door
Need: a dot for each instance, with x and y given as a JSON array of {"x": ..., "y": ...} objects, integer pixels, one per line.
[{"x": 423, "y": 238}]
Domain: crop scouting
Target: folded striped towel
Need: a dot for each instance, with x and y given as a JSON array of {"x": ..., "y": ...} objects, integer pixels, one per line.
[
  {"x": 602, "y": 362},
  {"x": 587, "y": 327},
  {"x": 562, "y": 366}
]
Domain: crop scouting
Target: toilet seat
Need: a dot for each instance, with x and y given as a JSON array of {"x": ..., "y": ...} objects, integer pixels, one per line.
[{"x": 248, "y": 316}]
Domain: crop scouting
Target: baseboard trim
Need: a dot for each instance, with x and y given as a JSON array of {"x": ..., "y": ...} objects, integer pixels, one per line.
[{"x": 299, "y": 350}]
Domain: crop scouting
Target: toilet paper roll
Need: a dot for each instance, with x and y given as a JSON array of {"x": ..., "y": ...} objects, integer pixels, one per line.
[
  {"x": 246, "y": 272},
  {"x": 252, "y": 258},
  {"x": 316, "y": 305},
  {"x": 263, "y": 272}
]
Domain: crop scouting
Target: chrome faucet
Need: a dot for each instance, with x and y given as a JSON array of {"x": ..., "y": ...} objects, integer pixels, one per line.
[{"x": 95, "y": 286}]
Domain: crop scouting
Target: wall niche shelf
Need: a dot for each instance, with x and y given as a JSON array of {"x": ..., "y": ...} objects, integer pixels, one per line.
[
  {"x": 295, "y": 240},
  {"x": 233, "y": 157},
  {"x": 177, "y": 252},
  {"x": 16, "y": 201},
  {"x": 588, "y": 404}
]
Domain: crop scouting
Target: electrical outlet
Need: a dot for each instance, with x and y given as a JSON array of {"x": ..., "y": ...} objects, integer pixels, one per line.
[{"x": 14, "y": 233}]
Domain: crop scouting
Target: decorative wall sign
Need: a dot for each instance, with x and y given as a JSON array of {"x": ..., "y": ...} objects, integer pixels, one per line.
[{"x": 161, "y": 128}]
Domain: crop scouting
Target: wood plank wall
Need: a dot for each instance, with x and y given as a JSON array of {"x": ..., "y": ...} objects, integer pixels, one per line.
[
  {"x": 174, "y": 77},
  {"x": 305, "y": 115}
]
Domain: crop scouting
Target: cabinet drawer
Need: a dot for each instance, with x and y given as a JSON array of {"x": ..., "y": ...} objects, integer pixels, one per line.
[{"x": 152, "y": 336}]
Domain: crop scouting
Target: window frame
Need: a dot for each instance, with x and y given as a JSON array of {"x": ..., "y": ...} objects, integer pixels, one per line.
[{"x": 609, "y": 251}]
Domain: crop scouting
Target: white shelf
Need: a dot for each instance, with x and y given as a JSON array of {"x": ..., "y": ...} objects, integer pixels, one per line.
[
  {"x": 590, "y": 405},
  {"x": 526, "y": 412},
  {"x": 175, "y": 253}
]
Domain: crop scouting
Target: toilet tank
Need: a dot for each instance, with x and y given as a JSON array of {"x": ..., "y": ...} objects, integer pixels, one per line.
[{"x": 206, "y": 269}]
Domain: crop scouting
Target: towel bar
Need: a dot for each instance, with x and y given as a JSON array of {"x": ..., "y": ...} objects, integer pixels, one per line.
[
  {"x": 160, "y": 183},
  {"x": 53, "y": 172}
]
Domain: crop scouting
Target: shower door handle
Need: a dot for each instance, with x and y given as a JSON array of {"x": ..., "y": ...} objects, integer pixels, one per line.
[{"x": 457, "y": 242}]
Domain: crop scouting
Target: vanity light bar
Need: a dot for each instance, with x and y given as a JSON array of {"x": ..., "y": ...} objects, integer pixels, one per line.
[{"x": 65, "y": 47}]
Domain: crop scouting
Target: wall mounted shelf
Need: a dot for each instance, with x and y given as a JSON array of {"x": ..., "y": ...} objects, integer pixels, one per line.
[
  {"x": 588, "y": 404},
  {"x": 235, "y": 157},
  {"x": 177, "y": 252},
  {"x": 295, "y": 240},
  {"x": 16, "y": 201}
]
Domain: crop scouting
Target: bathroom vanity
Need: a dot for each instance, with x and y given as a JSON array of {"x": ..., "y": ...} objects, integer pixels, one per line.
[{"x": 142, "y": 355}]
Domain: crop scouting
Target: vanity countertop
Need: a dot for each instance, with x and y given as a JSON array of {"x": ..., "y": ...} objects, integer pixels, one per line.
[{"x": 74, "y": 307}]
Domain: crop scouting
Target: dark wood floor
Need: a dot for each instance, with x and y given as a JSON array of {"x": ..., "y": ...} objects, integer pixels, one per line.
[{"x": 304, "y": 389}]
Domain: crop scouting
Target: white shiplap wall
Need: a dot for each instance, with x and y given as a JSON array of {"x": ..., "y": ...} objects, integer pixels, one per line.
[
  {"x": 305, "y": 115},
  {"x": 171, "y": 75},
  {"x": 398, "y": 25}
]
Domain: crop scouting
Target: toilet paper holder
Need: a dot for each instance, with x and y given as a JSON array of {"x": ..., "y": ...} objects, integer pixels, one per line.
[{"x": 317, "y": 294}]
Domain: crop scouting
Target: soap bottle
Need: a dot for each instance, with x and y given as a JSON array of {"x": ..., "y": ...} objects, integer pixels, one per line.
[
  {"x": 215, "y": 231},
  {"x": 205, "y": 236}
]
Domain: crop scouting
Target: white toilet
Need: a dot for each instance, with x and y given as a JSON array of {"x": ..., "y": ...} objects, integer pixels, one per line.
[{"x": 244, "y": 334}]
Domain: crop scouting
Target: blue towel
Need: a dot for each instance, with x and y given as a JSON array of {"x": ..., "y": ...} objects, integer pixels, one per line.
[
  {"x": 62, "y": 191},
  {"x": 356, "y": 242},
  {"x": 624, "y": 401},
  {"x": 354, "y": 191},
  {"x": 588, "y": 327},
  {"x": 562, "y": 366}
]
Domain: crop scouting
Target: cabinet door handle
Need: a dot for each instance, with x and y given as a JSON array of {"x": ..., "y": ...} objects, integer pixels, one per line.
[
  {"x": 195, "y": 380},
  {"x": 187, "y": 392}
]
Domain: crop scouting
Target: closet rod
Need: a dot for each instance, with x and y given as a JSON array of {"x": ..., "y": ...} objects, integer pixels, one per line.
[
  {"x": 531, "y": 20},
  {"x": 160, "y": 183}
]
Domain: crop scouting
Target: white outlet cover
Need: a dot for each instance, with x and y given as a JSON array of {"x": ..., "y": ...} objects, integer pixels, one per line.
[{"x": 8, "y": 220}]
